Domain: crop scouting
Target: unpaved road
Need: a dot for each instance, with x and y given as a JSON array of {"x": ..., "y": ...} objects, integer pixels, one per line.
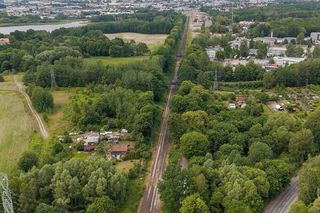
[{"x": 37, "y": 118}]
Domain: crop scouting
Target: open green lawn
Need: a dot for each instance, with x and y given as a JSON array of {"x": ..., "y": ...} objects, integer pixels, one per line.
[
  {"x": 116, "y": 61},
  {"x": 16, "y": 129}
]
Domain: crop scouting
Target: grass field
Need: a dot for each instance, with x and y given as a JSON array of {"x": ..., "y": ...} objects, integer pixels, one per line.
[
  {"x": 116, "y": 61},
  {"x": 57, "y": 123},
  {"x": 152, "y": 40},
  {"x": 16, "y": 129}
]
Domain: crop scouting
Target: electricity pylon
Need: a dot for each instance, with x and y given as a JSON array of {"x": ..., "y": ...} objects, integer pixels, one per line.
[
  {"x": 53, "y": 79},
  {"x": 5, "y": 194}
]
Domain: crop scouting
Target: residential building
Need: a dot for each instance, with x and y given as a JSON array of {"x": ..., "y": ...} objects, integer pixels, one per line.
[
  {"x": 119, "y": 150},
  {"x": 315, "y": 37},
  {"x": 276, "y": 51},
  {"x": 92, "y": 137},
  {"x": 4, "y": 41},
  {"x": 88, "y": 147},
  {"x": 282, "y": 61},
  {"x": 212, "y": 51}
]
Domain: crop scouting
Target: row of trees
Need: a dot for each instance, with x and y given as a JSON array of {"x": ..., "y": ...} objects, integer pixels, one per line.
[
  {"x": 237, "y": 159},
  {"x": 294, "y": 75}
]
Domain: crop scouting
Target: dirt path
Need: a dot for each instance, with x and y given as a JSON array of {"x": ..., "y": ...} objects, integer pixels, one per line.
[{"x": 42, "y": 127}]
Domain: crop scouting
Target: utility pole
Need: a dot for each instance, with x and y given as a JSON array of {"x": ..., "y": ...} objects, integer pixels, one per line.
[
  {"x": 215, "y": 83},
  {"x": 53, "y": 79},
  {"x": 232, "y": 11},
  {"x": 5, "y": 194}
]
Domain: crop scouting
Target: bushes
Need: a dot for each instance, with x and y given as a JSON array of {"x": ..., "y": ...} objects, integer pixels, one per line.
[
  {"x": 42, "y": 100},
  {"x": 27, "y": 161}
]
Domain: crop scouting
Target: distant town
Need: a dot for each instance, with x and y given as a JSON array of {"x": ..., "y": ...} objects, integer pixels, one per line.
[{"x": 89, "y": 8}]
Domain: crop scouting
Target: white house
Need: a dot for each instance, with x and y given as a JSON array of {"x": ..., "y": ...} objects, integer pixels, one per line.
[
  {"x": 212, "y": 51},
  {"x": 276, "y": 51},
  {"x": 282, "y": 61},
  {"x": 315, "y": 37},
  {"x": 92, "y": 137}
]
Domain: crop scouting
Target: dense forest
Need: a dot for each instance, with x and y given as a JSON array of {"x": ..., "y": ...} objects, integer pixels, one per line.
[
  {"x": 48, "y": 178},
  {"x": 238, "y": 159},
  {"x": 33, "y": 48}
]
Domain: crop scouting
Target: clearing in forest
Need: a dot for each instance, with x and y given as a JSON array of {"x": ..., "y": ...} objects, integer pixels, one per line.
[{"x": 152, "y": 40}]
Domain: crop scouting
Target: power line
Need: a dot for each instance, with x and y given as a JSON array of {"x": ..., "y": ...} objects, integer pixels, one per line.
[{"x": 53, "y": 79}]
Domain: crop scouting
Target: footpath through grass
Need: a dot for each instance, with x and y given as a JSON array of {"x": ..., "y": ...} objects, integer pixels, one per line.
[{"x": 16, "y": 129}]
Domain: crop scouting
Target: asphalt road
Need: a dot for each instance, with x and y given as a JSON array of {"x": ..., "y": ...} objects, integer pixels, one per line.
[
  {"x": 150, "y": 201},
  {"x": 283, "y": 201},
  {"x": 37, "y": 118}
]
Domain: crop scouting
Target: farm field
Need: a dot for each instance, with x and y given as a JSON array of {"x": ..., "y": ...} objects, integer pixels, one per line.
[
  {"x": 16, "y": 129},
  {"x": 116, "y": 61},
  {"x": 152, "y": 40}
]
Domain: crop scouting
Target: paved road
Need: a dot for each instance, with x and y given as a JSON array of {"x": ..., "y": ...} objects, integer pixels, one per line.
[
  {"x": 34, "y": 113},
  {"x": 283, "y": 201},
  {"x": 150, "y": 201}
]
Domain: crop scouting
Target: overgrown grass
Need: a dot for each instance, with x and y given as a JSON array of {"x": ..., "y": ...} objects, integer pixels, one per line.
[
  {"x": 57, "y": 122},
  {"x": 115, "y": 61},
  {"x": 16, "y": 129},
  {"x": 135, "y": 192}
]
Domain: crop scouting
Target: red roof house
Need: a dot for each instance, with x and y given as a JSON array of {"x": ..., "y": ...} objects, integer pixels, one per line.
[{"x": 118, "y": 150}]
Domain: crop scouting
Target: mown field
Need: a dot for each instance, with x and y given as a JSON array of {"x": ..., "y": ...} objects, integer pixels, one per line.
[
  {"x": 115, "y": 61},
  {"x": 152, "y": 40},
  {"x": 16, "y": 129}
]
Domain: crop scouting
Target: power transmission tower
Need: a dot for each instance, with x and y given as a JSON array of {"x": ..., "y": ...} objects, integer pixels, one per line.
[
  {"x": 5, "y": 194},
  {"x": 232, "y": 11},
  {"x": 215, "y": 83},
  {"x": 53, "y": 79}
]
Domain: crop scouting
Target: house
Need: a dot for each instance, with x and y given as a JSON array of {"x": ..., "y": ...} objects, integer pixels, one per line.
[
  {"x": 106, "y": 133},
  {"x": 113, "y": 138},
  {"x": 270, "y": 67},
  {"x": 270, "y": 41},
  {"x": 119, "y": 150},
  {"x": 4, "y": 41},
  {"x": 315, "y": 37},
  {"x": 232, "y": 106},
  {"x": 241, "y": 101},
  {"x": 92, "y": 137},
  {"x": 253, "y": 52},
  {"x": 124, "y": 131},
  {"x": 282, "y": 61},
  {"x": 212, "y": 51},
  {"x": 235, "y": 44},
  {"x": 88, "y": 147},
  {"x": 276, "y": 51}
]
